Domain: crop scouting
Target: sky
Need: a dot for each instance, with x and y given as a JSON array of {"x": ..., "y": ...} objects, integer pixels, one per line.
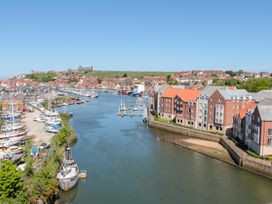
[{"x": 151, "y": 35}]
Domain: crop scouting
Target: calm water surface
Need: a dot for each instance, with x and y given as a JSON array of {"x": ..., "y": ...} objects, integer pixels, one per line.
[{"x": 126, "y": 164}]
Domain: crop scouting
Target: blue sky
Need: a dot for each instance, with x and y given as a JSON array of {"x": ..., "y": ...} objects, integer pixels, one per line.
[{"x": 135, "y": 35}]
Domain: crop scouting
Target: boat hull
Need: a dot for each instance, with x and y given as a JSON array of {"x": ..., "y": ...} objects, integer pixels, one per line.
[{"x": 67, "y": 184}]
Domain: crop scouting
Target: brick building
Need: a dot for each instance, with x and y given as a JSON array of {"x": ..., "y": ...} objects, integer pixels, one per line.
[
  {"x": 223, "y": 105},
  {"x": 261, "y": 129},
  {"x": 179, "y": 104}
]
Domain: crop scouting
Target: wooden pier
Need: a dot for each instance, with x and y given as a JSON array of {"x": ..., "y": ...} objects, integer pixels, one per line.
[
  {"x": 130, "y": 114},
  {"x": 82, "y": 174}
]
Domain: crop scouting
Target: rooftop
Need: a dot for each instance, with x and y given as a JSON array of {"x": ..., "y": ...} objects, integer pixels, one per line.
[
  {"x": 265, "y": 110},
  {"x": 184, "y": 94}
]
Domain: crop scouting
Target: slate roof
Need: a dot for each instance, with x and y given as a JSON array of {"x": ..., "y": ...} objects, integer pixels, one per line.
[
  {"x": 229, "y": 94},
  {"x": 265, "y": 110},
  {"x": 209, "y": 90},
  {"x": 262, "y": 95}
]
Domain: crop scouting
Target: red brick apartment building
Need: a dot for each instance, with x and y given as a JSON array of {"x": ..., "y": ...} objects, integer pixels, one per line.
[
  {"x": 179, "y": 104},
  {"x": 223, "y": 105},
  {"x": 261, "y": 129}
]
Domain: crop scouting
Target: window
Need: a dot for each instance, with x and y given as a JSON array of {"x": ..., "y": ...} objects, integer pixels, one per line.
[
  {"x": 192, "y": 123},
  {"x": 199, "y": 124},
  {"x": 204, "y": 125},
  {"x": 178, "y": 120},
  {"x": 188, "y": 122},
  {"x": 181, "y": 121},
  {"x": 220, "y": 128},
  {"x": 162, "y": 114},
  {"x": 256, "y": 134},
  {"x": 270, "y": 131},
  {"x": 169, "y": 116},
  {"x": 216, "y": 127},
  {"x": 269, "y": 142},
  {"x": 210, "y": 127}
]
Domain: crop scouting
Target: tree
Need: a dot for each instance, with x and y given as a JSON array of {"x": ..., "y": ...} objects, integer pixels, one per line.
[
  {"x": 99, "y": 80},
  {"x": 71, "y": 80},
  {"x": 10, "y": 180},
  {"x": 1, "y": 122},
  {"x": 125, "y": 75},
  {"x": 231, "y": 73}
]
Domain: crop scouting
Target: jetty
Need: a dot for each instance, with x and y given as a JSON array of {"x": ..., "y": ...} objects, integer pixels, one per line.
[{"x": 133, "y": 110}]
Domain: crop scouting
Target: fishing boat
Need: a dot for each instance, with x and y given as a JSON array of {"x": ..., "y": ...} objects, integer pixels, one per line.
[{"x": 69, "y": 171}]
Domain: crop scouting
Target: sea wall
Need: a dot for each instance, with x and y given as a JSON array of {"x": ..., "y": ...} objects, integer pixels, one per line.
[
  {"x": 240, "y": 157},
  {"x": 190, "y": 132},
  {"x": 246, "y": 161}
]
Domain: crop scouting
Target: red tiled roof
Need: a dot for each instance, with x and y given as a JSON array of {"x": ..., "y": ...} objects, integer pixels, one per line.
[
  {"x": 250, "y": 105},
  {"x": 185, "y": 94}
]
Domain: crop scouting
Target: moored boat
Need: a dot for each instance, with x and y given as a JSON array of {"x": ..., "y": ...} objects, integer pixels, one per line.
[{"x": 69, "y": 172}]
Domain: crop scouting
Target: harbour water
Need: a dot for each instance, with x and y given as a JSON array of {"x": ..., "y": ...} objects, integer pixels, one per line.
[{"x": 126, "y": 163}]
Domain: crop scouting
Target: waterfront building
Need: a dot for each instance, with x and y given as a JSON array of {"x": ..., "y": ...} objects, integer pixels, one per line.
[
  {"x": 179, "y": 104},
  {"x": 242, "y": 122},
  {"x": 202, "y": 106},
  {"x": 223, "y": 105},
  {"x": 261, "y": 129},
  {"x": 261, "y": 95},
  {"x": 185, "y": 106},
  {"x": 156, "y": 97}
]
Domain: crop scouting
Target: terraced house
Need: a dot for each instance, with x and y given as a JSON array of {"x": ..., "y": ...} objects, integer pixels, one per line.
[
  {"x": 202, "y": 106},
  {"x": 179, "y": 104},
  {"x": 261, "y": 128},
  {"x": 223, "y": 106}
]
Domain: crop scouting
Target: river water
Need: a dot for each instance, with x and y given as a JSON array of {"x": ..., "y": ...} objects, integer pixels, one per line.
[{"x": 127, "y": 164}]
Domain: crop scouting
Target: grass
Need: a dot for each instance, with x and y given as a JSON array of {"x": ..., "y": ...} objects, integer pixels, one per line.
[
  {"x": 215, "y": 132},
  {"x": 133, "y": 74}
]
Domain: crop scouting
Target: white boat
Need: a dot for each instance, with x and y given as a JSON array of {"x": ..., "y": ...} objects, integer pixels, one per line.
[
  {"x": 51, "y": 129},
  {"x": 12, "y": 134},
  {"x": 39, "y": 119},
  {"x": 8, "y": 128},
  {"x": 51, "y": 113},
  {"x": 94, "y": 94},
  {"x": 69, "y": 172},
  {"x": 52, "y": 120},
  {"x": 11, "y": 141}
]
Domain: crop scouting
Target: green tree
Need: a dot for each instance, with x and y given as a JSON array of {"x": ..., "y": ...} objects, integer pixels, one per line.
[
  {"x": 71, "y": 80},
  {"x": 10, "y": 180},
  {"x": 63, "y": 136},
  {"x": 1, "y": 122},
  {"x": 99, "y": 80},
  {"x": 125, "y": 75},
  {"x": 168, "y": 77}
]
